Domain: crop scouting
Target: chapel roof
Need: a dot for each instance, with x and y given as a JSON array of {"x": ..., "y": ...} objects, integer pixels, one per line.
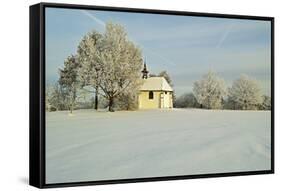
[{"x": 155, "y": 83}]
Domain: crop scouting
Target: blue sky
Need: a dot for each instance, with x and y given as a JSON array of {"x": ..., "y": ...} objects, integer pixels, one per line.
[{"x": 187, "y": 47}]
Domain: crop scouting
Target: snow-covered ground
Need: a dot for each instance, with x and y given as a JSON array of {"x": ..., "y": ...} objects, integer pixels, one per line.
[{"x": 93, "y": 145}]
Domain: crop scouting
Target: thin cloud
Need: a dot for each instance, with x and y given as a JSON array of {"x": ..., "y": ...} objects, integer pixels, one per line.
[
  {"x": 224, "y": 36},
  {"x": 94, "y": 18}
]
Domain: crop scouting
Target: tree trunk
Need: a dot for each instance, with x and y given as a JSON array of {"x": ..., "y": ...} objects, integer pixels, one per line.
[
  {"x": 110, "y": 105},
  {"x": 72, "y": 101},
  {"x": 70, "y": 108},
  {"x": 96, "y": 98}
]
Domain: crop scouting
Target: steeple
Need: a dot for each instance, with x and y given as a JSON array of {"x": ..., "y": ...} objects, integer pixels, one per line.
[{"x": 144, "y": 71}]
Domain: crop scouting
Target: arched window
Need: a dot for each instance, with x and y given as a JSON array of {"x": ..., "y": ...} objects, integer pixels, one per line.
[{"x": 150, "y": 95}]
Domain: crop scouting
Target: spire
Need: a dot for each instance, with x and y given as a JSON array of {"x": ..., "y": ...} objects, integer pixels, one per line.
[{"x": 144, "y": 71}]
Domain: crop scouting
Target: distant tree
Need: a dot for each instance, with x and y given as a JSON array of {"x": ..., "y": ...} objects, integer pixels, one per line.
[
  {"x": 228, "y": 104},
  {"x": 186, "y": 100},
  {"x": 245, "y": 93},
  {"x": 210, "y": 91},
  {"x": 55, "y": 98},
  {"x": 266, "y": 103},
  {"x": 153, "y": 75},
  {"x": 85, "y": 99},
  {"x": 48, "y": 95},
  {"x": 166, "y": 76},
  {"x": 69, "y": 81},
  {"x": 88, "y": 55}
]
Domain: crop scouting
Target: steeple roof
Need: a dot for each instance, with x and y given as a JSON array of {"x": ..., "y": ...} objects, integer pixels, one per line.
[{"x": 144, "y": 71}]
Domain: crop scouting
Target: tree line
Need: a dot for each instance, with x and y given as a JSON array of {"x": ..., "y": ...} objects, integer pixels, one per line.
[
  {"x": 210, "y": 92},
  {"x": 106, "y": 65}
]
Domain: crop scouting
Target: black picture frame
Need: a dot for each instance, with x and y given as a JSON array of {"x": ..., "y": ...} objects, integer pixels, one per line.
[{"x": 37, "y": 90}]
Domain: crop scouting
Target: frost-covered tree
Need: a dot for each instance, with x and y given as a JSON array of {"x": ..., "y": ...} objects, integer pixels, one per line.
[
  {"x": 266, "y": 103},
  {"x": 69, "y": 81},
  {"x": 48, "y": 94},
  {"x": 245, "y": 93},
  {"x": 210, "y": 91},
  {"x": 88, "y": 55},
  {"x": 121, "y": 63},
  {"x": 128, "y": 100},
  {"x": 55, "y": 98},
  {"x": 110, "y": 63}
]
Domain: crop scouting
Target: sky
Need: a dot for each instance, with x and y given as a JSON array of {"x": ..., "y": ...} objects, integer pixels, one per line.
[{"x": 186, "y": 47}]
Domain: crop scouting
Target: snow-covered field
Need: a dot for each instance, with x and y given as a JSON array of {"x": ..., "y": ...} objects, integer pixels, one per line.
[{"x": 93, "y": 145}]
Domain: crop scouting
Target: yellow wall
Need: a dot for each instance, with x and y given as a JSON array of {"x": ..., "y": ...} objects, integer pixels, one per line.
[{"x": 145, "y": 103}]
